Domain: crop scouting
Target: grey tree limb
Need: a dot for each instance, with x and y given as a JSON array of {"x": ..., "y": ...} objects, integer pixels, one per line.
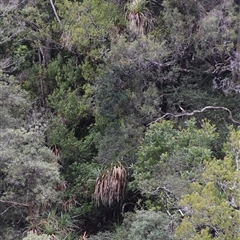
[
  {"x": 230, "y": 117},
  {"x": 55, "y": 12}
]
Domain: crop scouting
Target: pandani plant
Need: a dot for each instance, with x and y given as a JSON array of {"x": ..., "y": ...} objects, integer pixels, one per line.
[
  {"x": 139, "y": 16},
  {"x": 110, "y": 186}
]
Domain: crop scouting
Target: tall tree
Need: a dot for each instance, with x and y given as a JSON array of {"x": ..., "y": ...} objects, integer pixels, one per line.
[{"x": 126, "y": 97}]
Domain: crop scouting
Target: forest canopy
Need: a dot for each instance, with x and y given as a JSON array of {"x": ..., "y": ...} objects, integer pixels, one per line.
[{"x": 119, "y": 119}]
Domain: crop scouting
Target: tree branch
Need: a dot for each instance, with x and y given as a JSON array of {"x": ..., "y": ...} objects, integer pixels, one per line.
[
  {"x": 15, "y": 203},
  {"x": 230, "y": 117},
  {"x": 5, "y": 210},
  {"x": 55, "y": 12}
]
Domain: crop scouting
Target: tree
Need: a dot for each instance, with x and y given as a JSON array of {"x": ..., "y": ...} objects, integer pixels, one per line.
[
  {"x": 211, "y": 207},
  {"x": 221, "y": 37},
  {"x": 169, "y": 158},
  {"x": 126, "y": 97},
  {"x": 29, "y": 171},
  {"x": 102, "y": 88},
  {"x": 88, "y": 26},
  {"x": 148, "y": 225},
  {"x": 11, "y": 27}
]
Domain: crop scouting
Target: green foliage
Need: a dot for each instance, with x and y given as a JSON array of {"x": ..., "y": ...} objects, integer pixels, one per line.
[
  {"x": 40, "y": 25},
  {"x": 29, "y": 171},
  {"x": 14, "y": 102},
  {"x": 99, "y": 85},
  {"x": 11, "y": 27},
  {"x": 211, "y": 207},
  {"x": 168, "y": 158},
  {"x": 68, "y": 105},
  {"x": 140, "y": 225},
  {"x": 60, "y": 225},
  {"x": 126, "y": 98},
  {"x": 29, "y": 167},
  {"x": 163, "y": 141},
  {"x": 75, "y": 144},
  {"x": 82, "y": 177},
  {"x": 88, "y": 23},
  {"x": 143, "y": 224},
  {"x": 72, "y": 116},
  {"x": 69, "y": 127},
  {"x": 220, "y": 32},
  {"x": 150, "y": 225},
  {"x": 178, "y": 21}
]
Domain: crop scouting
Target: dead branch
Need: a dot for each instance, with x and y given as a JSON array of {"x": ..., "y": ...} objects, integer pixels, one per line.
[
  {"x": 5, "y": 210},
  {"x": 55, "y": 12},
  {"x": 15, "y": 203},
  {"x": 230, "y": 117}
]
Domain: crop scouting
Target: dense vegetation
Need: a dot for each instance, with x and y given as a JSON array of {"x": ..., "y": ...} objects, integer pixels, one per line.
[{"x": 120, "y": 119}]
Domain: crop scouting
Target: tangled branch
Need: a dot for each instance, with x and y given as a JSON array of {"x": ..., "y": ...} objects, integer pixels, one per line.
[{"x": 184, "y": 113}]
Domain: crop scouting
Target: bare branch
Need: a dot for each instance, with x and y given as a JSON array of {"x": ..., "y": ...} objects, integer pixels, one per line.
[
  {"x": 55, "y": 12},
  {"x": 5, "y": 210},
  {"x": 230, "y": 117},
  {"x": 14, "y": 203}
]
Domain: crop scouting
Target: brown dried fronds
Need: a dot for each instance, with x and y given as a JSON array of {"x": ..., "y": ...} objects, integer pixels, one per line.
[{"x": 111, "y": 185}]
